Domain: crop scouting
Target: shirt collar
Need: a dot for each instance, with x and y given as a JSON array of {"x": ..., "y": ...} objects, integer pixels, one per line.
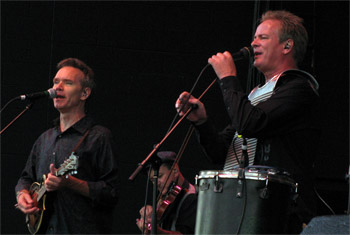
[{"x": 81, "y": 126}]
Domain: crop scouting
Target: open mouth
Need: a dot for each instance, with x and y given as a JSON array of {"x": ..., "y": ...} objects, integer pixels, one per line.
[
  {"x": 60, "y": 97},
  {"x": 257, "y": 53}
]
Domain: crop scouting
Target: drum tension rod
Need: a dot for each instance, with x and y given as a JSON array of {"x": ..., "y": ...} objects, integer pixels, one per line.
[
  {"x": 264, "y": 193},
  {"x": 218, "y": 185}
]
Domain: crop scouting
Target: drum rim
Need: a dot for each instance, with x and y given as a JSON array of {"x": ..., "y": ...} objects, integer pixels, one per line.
[{"x": 263, "y": 175}]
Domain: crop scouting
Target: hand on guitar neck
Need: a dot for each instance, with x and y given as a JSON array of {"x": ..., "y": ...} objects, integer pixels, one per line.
[{"x": 53, "y": 182}]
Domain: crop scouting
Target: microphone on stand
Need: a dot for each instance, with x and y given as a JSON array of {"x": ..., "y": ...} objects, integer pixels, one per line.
[{"x": 50, "y": 93}]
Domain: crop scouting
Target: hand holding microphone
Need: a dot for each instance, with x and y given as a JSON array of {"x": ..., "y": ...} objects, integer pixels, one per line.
[
  {"x": 224, "y": 66},
  {"x": 223, "y": 63}
]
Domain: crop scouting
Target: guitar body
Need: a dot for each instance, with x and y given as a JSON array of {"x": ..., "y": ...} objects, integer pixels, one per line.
[{"x": 36, "y": 223}]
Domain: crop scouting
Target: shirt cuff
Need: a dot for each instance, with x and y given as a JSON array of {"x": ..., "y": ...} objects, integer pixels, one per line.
[{"x": 229, "y": 83}]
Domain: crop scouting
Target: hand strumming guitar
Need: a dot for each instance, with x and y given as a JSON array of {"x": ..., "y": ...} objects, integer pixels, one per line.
[{"x": 25, "y": 203}]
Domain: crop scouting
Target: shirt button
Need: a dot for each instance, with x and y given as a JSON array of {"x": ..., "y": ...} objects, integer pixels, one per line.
[
  {"x": 60, "y": 136},
  {"x": 224, "y": 90},
  {"x": 228, "y": 108}
]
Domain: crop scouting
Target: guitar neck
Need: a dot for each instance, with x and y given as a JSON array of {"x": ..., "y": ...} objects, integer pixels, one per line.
[
  {"x": 68, "y": 165},
  {"x": 41, "y": 192},
  {"x": 43, "y": 189}
]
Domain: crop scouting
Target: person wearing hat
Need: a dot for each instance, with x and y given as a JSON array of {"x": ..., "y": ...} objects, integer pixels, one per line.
[{"x": 179, "y": 217}]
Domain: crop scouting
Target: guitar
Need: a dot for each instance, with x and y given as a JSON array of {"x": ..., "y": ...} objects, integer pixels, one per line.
[{"x": 38, "y": 193}]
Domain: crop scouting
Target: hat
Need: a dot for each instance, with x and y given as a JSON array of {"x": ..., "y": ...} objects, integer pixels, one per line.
[{"x": 167, "y": 156}]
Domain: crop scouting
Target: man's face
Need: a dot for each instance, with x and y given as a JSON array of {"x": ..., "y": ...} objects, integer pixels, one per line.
[
  {"x": 67, "y": 84},
  {"x": 163, "y": 175},
  {"x": 267, "y": 48}
]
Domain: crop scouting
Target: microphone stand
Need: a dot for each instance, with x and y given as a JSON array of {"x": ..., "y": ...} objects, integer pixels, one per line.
[
  {"x": 154, "y": 200},
  {"x": 149, "y": 158},
  {"x": 348, "y": 178},
  {"x": 29, "y": 106},
  {"x": 155, "y": 164}
]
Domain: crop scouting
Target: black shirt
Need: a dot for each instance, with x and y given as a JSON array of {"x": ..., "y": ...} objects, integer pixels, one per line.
[
  {"x": 98, "y": 165},
  {"x": 285, "y": 125}
]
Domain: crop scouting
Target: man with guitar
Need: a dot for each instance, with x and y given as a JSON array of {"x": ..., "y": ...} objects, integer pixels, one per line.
[
  {"x": 177, "y": 204},
  {"x": 73, "y": 166}
]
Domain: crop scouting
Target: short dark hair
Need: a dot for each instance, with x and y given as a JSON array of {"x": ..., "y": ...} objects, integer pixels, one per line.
[
  {"x": 88, "y": 80},
  {"x": 293, "y": 28}
]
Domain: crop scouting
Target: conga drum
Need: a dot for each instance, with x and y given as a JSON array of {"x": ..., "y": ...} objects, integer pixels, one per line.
[{"x": 253, "y": 200}]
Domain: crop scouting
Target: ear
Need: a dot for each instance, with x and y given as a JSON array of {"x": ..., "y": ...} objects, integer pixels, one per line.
[
  {"x": 85, "y": 93},
  {"x": 288, "y": 46}
]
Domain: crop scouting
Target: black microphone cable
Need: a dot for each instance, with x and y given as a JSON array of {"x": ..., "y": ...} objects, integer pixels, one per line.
[
  {"x": 13, "y": 99},
  {"x": 243, "y": 178},
  {"x": 244, "y": 207}
]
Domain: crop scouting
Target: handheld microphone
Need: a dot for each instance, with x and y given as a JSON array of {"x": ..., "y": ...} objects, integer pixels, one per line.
[
  {"x": 50, "y": 93},
  {"x": 244, "y": 53}
]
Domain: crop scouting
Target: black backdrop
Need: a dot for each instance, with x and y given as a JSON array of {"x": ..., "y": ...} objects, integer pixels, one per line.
[{"x": 144, "y": 55}]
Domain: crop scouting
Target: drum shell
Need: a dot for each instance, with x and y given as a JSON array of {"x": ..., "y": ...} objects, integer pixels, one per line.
[{"x": 266, "y": 207}]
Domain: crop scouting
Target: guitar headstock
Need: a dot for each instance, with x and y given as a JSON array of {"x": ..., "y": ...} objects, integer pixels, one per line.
[{"x": 69, "y": 166}]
